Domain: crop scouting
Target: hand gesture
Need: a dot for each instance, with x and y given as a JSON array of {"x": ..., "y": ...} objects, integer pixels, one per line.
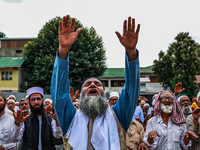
[
  {"x": 19, "y": 117},
  {"x": 152, "y": 135},
  {"x": 129, "y": 38},
  {"x": 178, "y": 89},
  {"x": 191, "y": 134},
  {"x": 196, "y": 114},
  {"x": 67, "y": 36},
  {"x": 143, "y": 146},
  {"x": 74, "y": 96}
]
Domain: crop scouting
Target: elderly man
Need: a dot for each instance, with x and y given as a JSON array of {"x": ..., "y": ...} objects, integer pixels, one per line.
[
  {"x": 11, "y": 105},
  {"x": 47, "y": 102},
  {"x": 7, "y": 124},
  {"x": 193, "y": 124},
  {"x": 98, "y": 126},
  {"x": 113, "y": 98},
  {"x": 167, "y": 129},
  {"x": 185, "y": 105},
  {"x": 38, "y": 129}
]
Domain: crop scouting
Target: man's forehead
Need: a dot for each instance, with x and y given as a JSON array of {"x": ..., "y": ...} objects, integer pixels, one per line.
[
  {"x": 91, "y": 80},
  {"x": 166, "y": 94},
  {"x": 184, "y": 97}
]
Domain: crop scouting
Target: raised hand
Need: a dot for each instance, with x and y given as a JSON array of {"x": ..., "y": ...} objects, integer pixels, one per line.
[
  {"x": 178, "y": 89},
  {"x": 188, "y": 135},
  {"x": 19, "y": 117},
  {"x": 72, "y": 95},
  {"x": 67, "y": 36},
  {"x": 143, "y": 146},
  {"x": 129, "y": 38},
  {"x": 196, "y": 115},
  {"x": 152, "y": 135}
]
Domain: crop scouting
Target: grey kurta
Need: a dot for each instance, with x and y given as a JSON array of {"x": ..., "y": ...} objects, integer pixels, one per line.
[{"x": 191, "y": 127}]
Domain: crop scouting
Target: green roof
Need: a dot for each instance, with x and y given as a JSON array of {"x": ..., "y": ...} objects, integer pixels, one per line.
[
  {"x": 117, "y": 72},
  {"x": 9, "y": 62}
]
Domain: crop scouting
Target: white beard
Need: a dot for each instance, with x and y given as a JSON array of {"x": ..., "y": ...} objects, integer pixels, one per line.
[
  {"x": 186, "y": 109},
  {"x": 166, "y": 108}
]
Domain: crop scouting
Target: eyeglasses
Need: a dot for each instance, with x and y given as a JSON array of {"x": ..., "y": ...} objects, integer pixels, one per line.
[
  {"x": 37, "y": 98},
  {"x": 165, "y": 98}
]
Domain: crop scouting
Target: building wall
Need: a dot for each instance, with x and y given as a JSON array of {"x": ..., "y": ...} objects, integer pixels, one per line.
[{"x": 9, "y": 85}]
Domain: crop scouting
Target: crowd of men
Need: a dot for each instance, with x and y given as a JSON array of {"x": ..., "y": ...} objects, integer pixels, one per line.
[{"x": 88, "y": 120}]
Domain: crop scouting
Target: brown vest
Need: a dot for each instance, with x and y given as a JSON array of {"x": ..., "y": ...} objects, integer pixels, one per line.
[{"x": 121, "y": 133}]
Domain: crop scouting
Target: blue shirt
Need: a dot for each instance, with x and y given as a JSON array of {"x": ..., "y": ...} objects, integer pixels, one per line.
[
  {"x": 149, "y": 110},
  {"x": 138, "y": 113},
  {"x": 65, "y": 111}
]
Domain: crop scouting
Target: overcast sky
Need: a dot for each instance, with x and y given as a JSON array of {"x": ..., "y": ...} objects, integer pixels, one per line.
[{"x": 161, "y": 21}]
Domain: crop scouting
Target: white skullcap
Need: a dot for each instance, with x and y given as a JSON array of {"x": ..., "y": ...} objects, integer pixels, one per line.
[
  {"x": 198, "y": 96},
  {"x": 114, "y": 94},
  {"x": 179, "y": 98},
  {"x": 146, "y": 104},
  {"x": 16, "y": 102},
  {"x": 11, "y": 100},
  {"x": 35, "y": 90},
  {"x": 47, "y": 100},
  {"x": 11, "y": 96}
]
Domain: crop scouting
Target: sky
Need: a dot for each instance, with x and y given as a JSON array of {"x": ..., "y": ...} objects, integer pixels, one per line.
[{"x": 160, "y": 20}]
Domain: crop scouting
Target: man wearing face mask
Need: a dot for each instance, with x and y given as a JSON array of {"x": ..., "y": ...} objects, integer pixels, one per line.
[
  {"x": 167, "y": 129},
  {"x": 38, "y": 129}
]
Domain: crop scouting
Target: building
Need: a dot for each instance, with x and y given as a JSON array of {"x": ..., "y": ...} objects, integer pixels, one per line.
[
  {"x": 11, "y": 63},
  {"x": 113, "y": 80}
]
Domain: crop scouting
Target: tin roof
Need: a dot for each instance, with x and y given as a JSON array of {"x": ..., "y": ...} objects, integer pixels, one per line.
[{"x": 10, "y": 62}]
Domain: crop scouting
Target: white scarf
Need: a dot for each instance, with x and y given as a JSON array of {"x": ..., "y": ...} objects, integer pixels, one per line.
[{"x": 104, "y": 133}]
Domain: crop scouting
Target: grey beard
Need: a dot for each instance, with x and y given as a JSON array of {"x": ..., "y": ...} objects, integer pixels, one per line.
[
  {"x": 186, "y": 109},
  {"x": 93, "y": 106}
]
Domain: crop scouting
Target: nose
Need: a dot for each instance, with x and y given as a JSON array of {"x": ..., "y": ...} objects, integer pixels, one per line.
[{"x": 92, "y": 85}]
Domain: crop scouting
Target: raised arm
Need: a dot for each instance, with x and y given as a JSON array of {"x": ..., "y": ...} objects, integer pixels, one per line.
[
  {"x": 128, "y": 99},
  {"x": 60, "y": 87}
]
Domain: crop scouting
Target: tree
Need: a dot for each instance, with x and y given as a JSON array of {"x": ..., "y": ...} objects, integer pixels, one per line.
[
  {"x": 87, "y": 56},
  {"x": 179, "y": 64},
  {"x": 2, "y": 35}
]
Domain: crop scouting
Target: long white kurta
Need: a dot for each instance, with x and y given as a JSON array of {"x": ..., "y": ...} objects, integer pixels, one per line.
[
  {"x": 171, "y": 136},
  {"x": 7, "y": 131}
]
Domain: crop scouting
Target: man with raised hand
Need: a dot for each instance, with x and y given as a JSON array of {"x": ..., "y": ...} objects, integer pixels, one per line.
[{"x": 95, "y": 125}]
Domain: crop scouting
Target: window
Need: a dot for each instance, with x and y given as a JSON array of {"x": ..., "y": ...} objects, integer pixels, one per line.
[
  {"x": 6, "y": 75},
  {"x": 18, "y": 51},
  {"x": 105, "y": 83},
  {"x": 117, "y": 83}
]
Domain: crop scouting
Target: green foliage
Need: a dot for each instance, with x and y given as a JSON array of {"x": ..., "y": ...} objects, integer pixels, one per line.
[
  {"x": 2, "y": 35},
  {"x": 87, "y": 56},
  {"x": 179, "y": 64}
]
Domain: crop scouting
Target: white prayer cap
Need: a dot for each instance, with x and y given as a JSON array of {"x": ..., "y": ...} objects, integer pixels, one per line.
[
  {"x": 16, "y": 103},
  {"x": 179, "y": 98},
  {"x": 114, "y": 94},
  {"x": 47, "y": 99},
  {"x": 146, "y": 104},
  {"x": 11, "y": 100},
  {"x": 34, "y": 90},
  {"x": 9, "y": 97}
]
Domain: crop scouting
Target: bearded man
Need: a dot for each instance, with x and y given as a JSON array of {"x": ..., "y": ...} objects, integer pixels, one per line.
[
  {"x": 38, "y": 128},
  {"x": 167, "y": 129},
  {"x": 24, "y": 106},
  {"x": 7, "y": 126},
  {"x": 185, "y": 105},
  {"x": 95, "y": 125}
]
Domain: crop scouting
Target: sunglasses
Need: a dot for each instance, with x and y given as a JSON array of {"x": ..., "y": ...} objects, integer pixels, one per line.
[{"x": 35, "y": 98}]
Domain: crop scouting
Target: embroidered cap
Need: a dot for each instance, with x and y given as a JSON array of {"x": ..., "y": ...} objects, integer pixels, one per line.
[{"x": 34, "y": 90}]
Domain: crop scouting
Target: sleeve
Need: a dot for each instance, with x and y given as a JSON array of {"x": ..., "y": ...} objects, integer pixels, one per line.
[
  {"x": 10, "y": 146},
  {"x": 56, "y": 130},
  {"x": 141, "y": 115},
  {"x": 148, "y": 129},
  {"x": 127, "y": 102},
  {"x": 18, "y": 132},
  {"x": 60, "y": 89},
  {"x": 183, "y": 129}
]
